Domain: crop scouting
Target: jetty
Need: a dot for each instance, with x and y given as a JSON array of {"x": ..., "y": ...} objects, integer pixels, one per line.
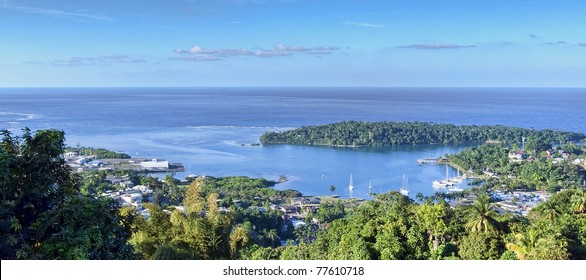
[{"x": 423, "y": 161}]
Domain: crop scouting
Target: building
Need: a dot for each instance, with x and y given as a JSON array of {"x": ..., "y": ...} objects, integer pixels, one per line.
[
  {"x": 95, "y": 163},
  {"x": 70, "y": 155},
  {"x": 155, "y": 164},
  {"x": 133, "y": 199}
]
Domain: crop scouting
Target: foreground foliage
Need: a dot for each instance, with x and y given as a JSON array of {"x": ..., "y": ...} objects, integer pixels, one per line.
[{"x": 43, "y": 215}]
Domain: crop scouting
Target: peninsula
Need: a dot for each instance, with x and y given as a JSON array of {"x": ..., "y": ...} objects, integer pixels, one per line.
[{"x": 380, "y": 134}]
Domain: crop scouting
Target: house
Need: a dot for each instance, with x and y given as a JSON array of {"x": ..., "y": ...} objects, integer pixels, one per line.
[
  {"x": 517, "y": 156},
  {"x": 289, "y": 209},
  {"x": 133, "y": 199},
  {"x": 142, "y": 189}
]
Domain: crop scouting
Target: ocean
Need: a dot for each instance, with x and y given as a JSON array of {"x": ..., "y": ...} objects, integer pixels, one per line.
[{"x": 204, "y": 128}]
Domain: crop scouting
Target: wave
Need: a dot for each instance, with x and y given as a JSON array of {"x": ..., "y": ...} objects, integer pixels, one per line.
[
  {"x": 189, "y": 150},
  {"x": 237, "y": 126}
]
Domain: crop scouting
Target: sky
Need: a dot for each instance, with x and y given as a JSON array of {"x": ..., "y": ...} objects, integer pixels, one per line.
[{"x": 302, "y": 43}]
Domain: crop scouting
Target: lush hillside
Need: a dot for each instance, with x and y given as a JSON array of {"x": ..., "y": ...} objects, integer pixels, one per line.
[{"x": 353, "y": 133}]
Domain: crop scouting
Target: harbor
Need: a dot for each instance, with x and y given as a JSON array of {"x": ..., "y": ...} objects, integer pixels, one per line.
[{"x": 448, "y": 184}]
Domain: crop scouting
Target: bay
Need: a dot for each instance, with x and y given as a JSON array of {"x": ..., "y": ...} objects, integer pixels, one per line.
[{"x": 204, "y": 128}]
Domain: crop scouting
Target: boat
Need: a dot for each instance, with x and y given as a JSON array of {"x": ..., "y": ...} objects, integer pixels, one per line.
[
  {"x": 440, "y": 184},
  {"x": 455, "y": 189},
  {"x": 351, "y": 185},
  {"x": 404, "y": 191},
  {"x": 457, "y": 179}
]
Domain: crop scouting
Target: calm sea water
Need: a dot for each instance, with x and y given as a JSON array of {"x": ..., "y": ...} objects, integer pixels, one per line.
[{"x": 204, "y": 127}]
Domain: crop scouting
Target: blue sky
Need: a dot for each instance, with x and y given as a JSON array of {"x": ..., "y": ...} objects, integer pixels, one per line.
[{"x": 198, "y": 43}]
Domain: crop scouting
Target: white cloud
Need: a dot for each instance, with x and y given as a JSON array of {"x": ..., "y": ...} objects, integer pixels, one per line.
[
  {"x": 100, "y": 60},
  {"x": 197, "y": 53},
  {"x": 363, "y": 24},
  {"x": 435, "y": 46},
  {"x": 57, "y": 13}
]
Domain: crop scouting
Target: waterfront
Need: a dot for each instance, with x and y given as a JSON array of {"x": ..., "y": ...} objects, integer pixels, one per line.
[{"x": 205, "y": 128}]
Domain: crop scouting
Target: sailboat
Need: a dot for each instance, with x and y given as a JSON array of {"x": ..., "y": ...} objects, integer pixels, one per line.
[
  {"x": 443, "y": 183},
  {"x": 404, "y": 191},
  {"x": 351, "y": 185}
]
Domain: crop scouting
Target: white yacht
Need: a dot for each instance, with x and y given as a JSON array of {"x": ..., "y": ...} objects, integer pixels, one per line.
[
  {"x": 404, "y": 191},
  {"x": 351, "y": 185}
]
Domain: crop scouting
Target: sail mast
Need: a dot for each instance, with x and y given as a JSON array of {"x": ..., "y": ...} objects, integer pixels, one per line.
[{"x": 351, "y": 185}]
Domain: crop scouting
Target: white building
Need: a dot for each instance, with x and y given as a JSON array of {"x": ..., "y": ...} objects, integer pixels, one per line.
[
  {"x": 134, "y": 199},
  {"x": 154, "y": 164},
  {"x": 70, "y": 155},
  {"x": 143, "y": 189}
]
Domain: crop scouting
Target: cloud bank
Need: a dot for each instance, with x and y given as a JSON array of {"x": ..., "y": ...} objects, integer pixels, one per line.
[
  {"x": 435, "y": 46},
  {"x": 100, "y": 60},
  {"x": 197, "y": 53}
]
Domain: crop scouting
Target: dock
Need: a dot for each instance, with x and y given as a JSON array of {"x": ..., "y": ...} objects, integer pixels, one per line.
[{"x": 423, "y": 161}]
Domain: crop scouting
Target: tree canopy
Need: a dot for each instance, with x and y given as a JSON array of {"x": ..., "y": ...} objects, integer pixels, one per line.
[
  {"x": 377, "y": 134},
  {"x": 43, "y": 214}
]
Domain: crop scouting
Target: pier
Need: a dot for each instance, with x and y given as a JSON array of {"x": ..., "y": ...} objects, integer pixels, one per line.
[{"x": 423, "y": 161}]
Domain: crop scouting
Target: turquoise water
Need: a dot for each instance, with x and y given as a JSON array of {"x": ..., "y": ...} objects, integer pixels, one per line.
[{"x": 204, "y": 128}]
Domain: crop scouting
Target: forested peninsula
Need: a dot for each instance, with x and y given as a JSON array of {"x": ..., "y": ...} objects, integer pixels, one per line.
[{"x": 380, "y": 134}]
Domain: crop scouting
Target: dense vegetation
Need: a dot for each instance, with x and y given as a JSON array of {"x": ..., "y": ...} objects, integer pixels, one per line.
[
  {"x": 353, "y": 133},
  {"x": 393, "y": 227},
  {"x": 537, "y": 172},
  {"x": 205, "y": 230},
  {"x": 43, "y": 215}
]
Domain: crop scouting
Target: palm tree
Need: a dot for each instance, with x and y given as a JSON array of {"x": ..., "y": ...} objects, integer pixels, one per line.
[
  {"x": 524, "y": 243},
  {"x": 579, "y": 201},
  {"x": 482, "y": 216},
  {"x": 332, "y": 188},
  {"x": 550, "y": 211}
]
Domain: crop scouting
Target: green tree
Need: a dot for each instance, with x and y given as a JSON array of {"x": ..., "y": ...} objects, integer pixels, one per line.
[
  {"x": 550, "y": 249},
  {"x": 537, "y": 144},
  {"x": 524, "y": 243},
  {"x": 549, "y": 211},
  {"x": 481, "y": 216},
  {"x": 433, "y": 218},
  {"x": 328, "y": 212},
  {"x": 579, "y": 201},
  {"x": 481, "y": 246},
  {"x": 43, "y": 214}
]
